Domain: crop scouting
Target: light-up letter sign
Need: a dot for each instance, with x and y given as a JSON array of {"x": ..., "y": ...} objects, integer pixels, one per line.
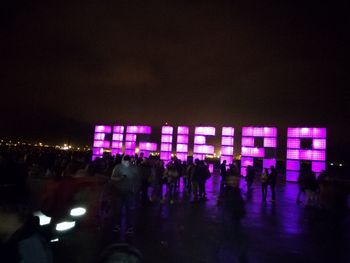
[
  {"x": 315, "y": 152},
  {"x": 99, "y": 140},
  {"x": 130, "y": 140},
  {"x": 182, "y": 143},
  {"x": 166, "y": 143},
  {"x": 117, "y": 140},
  {"x": 249, "y": 151},
  {"x": 200, "y": 149},
  {"x": 227, "y": 141}
]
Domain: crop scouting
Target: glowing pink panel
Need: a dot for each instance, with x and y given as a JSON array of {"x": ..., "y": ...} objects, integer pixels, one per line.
[
  {"x": 116, "y": 151},
  {"x": 130, "y": 145},
  {"x": 248, "y": 141},
  {"x": 253, "y": 152},
  {"x": 167, "y": 138},
  {"x": 198, "y": 156},
  {"x": 319, "y": 144},
  {"x": 228, "y": 131},
  {"x": 97, "y": 151},
  {"x": 138, "y": 129},
  {"x": 181, "y": 148},
  {"x": 182, "y": 139},
  {"x": 148, "y": 146},
  {"x": 103, "y": 128},
  {"x": 267, "y": 163},
  {"x": 294, "y": 154},
  {"x": 118, "y": 137},
  {"x": 99, "y": 136},
  {"x": 165, "y": 156},
  {"x": 130, "y": 138},
  {"x": 229, "y": 159},
  {"x": 203, "y": 149},
  {"x": 227, "y": 141},
  {"x": 227, "y": 150},
  {"x": 167, "y": 130},
  {"x": 117, "y": 145},
  {"x": 199, "y": 140},
  {"x": 118, "y": 129},
  {"x": 211, "y": 168},
  {"x": 129, "y": 152},
  {"x": 182, "y": 130},
  {"x": 270, "y": 142},
  {"x": 205, "y": 131},
  {"x": 245, "y": 161},
  {"x": 165, "y": 147},
  {"x": 101, "y": 144},
  {"x": 182, "y": 143}
]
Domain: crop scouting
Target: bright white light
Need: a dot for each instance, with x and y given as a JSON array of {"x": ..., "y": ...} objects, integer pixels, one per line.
[
  {"x": 78, "y": 211},
  {"x": 65, "y": 226},
  {"x": 340, "y": 164},
  {"x": 332, "y": 164},
  {"x": 54, "y": 240},
  {"x": 43, "y": 219}
]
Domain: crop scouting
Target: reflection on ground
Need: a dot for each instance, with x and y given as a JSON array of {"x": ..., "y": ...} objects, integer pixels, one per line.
[{"x": 200, "y": 232}]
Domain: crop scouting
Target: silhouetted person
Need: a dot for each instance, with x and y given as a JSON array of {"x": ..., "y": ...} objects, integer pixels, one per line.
[
  {"x": 272, "y": 179},
  {"x": 223, "y": 174},
  {"x": 250, "y": 177},
  {"x": 263, "y": 179}
]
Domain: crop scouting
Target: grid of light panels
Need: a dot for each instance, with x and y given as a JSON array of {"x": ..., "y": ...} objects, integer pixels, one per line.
[{"x": 100, "y": 144}]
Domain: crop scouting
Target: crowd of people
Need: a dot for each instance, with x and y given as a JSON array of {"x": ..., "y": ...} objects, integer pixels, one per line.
[{"x": 131, "y": 180}]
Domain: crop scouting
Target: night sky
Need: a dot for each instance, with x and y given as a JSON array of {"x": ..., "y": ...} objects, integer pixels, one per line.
[{"x": 67, "y": 66}]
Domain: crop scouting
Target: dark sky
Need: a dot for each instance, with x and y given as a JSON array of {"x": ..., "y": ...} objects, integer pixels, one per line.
[{"x": 66, "y": 66}]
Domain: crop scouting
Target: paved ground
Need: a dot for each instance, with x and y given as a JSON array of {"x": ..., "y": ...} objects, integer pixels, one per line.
[{"x": 185, "y": 232}]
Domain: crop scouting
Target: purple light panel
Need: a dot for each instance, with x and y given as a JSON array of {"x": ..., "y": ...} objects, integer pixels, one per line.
[
  {"x": 182, "y": 143},
  {"x": 166, "y": 143},
  {"x": 269, "y": 134},
  {"x": 117, "y": 140},
  {"x": 131, "y": 137},
  {"x": 100, "y": 144},
  {"x": 148, "y": 146},
  {"x": 317, "y": 155},
  {"x": 200, "y": 149}
]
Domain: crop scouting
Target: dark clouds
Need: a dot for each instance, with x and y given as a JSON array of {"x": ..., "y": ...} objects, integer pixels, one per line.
[{"x": 181, "y": 61}]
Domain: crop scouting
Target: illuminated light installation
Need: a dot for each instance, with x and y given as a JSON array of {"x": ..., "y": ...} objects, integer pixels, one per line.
[
  {"x": 182, "y": 143},
  {"x": 130, "y": 140},
  {"x": 166, "y": 143},
  {"x": 200, "y": 149},
  {"x": 249, "y": 151},
  {"x": 227, "y": 141},
  {"x": 117, "y": 140},
  {"x": 100, "y": 144},
  {"x": 295, "y": 154}
]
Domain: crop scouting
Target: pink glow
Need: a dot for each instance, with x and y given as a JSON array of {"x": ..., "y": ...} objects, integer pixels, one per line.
[
  {"x": 101, "y": 144},
  {"x": 226, "y": 150},
  {"x": 167, "y": 130},
  {"x": 203, "y": 149},
  {"x": 129, "y": 151},
  {"x": 293, "y": 165},
  {"x": 243, "y": 171},
  {"x": 211, "y": 168},
  {"x": 181, "y": 148},
  {"x": 99, "y": 136},
  {"x": 310, "y": 155},
  {"x": 182, "y": 156},
  {"x": 148, "y": 146},
  {"x": 259, "y": 131},
  {"x": 165, "y": 147},
  {"x": 227, "y": 141},
  {"x": 248, "y": 141},
  {"x": 319, "y": 144},
  {"x": 118, "y": 129},
  {"x": 267, "y": 163},
  {"x": 103, "y": 128},
  {"x": 117, "y": 137},
  {"x": 199, "y": 139},
  {"x": 270, "y": 142},
  {"x": 138, "y": 129},
  {"x": 182, "y": 130},
  {"x": 307, "y": 132},
  {"x": 97, "y": 151},
  {"x": 182, "y": 139},
  {"x": 293, "y": 143},
  {"x": 167, "y": 138},
  {"x": 228, "y": 131},
  {"x": 201, "y": 130},
  {"x": 116, "y": 151},
  {"x": 245, "y": 161},
  {"x": 253, "y": 151},
  {"x": 130, "y": 146},
  {"x": 318, "y": 166},
  {"x": 117, "y": 144},
  {"x": 130, "y": 138}
]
